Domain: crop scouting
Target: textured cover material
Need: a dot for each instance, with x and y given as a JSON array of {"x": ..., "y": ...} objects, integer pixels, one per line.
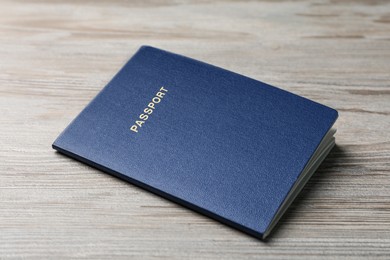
[{"x": 217, "y": 142}]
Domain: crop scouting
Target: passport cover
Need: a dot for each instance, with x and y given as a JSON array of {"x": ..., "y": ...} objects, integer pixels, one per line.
[{"x": 230, "y": 147}]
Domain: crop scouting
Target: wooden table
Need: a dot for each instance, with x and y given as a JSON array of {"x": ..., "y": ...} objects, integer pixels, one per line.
[{"x": 56, "y": 56}]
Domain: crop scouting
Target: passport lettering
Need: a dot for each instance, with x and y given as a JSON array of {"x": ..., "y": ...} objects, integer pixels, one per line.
[{"x": 142, "y": 118}]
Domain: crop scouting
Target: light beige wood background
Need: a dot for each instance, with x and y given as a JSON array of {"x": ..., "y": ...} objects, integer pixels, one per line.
[{"x": 56, "y": 55}]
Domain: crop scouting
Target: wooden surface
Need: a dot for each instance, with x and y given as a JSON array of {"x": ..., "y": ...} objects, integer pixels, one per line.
[{"x": 55, "y": 56}]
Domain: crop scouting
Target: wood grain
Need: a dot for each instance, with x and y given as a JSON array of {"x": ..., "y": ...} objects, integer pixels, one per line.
[{"x": 56, "y": 55}]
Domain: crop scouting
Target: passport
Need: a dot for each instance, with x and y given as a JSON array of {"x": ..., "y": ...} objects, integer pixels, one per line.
[{"x": 227, "y": 146}]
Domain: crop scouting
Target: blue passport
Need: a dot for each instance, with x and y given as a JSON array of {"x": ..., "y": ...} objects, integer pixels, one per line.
[{"x": 230, "y": 147}]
